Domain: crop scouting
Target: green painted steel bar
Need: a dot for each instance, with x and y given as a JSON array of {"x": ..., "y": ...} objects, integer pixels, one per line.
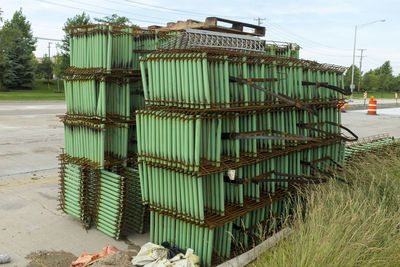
[{"x": 183, "y": 142}]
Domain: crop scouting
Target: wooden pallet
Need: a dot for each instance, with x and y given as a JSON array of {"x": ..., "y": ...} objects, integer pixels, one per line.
[{"x": 214, "y": 24}]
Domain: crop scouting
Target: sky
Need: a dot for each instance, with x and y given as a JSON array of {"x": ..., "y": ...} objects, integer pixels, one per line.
[{"x": 323, "y": 28}]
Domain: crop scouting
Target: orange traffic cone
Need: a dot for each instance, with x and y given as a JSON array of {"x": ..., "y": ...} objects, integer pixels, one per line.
[
  {"x": 372, "y": 106},
  {"x": 340, "y": 105}
]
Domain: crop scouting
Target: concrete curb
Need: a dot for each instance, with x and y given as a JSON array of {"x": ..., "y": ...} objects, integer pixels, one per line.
[
  {"x": 361, "y": 106},
  {"x": 251, "y": 255}
]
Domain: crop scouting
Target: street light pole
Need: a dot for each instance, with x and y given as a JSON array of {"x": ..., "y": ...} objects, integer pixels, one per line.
[
  {"x": 352, "y": 66},
  {"x": 352, "y": 86},
  {"x": 359, "y": 77}
]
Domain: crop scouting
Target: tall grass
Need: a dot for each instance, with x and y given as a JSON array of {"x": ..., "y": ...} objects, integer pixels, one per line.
[{"x": 347, "y": 225}]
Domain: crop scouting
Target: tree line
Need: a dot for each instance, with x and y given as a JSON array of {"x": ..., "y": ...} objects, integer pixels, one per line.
[
  {"x": 18, "y": 65},
  {"x": 376, "y": 80}
]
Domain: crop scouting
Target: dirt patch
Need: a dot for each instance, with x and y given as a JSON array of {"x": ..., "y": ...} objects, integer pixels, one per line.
[
  {"x": 132, "y": 247},
  {"x": 119, "y": 259},
  {"x": 50, "y": 259}
]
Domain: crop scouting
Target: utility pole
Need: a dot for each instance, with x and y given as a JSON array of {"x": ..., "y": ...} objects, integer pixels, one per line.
[
  {"x": 359, "y": 78},
  {"x": 49, "y": 49},
  {"x": 58, "y": 78},
  {"x": 352, "y": 66},
  {"x": 48, "y": 77},
  {"x": 259, "y": 20},
  {"x": 352, "y": 86}
]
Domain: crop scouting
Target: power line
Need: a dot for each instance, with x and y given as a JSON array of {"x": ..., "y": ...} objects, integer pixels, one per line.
[
  {"x": 48, "y": 39},
  {"x": 259, "y": 20},
  {"x": 314, "y": 50},
  {"x": 89, "y": 11},
  {"x": 166, "y": 8},
  {"x": 280, "y": 28},
  {"x": 179, "y": 11},
  {"x": 117, "y": 10},
  {"x": 82, "y": 9},
  {"x": 372, "y": 62}
]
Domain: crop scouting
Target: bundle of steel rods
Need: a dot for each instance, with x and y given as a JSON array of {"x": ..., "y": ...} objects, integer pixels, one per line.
[
  {"x": 214, "y": 132},
  {"x": 282, "y": 49},
  {"x": 209, "y": 78},
  {"x": 369, "y": 144},
  {"x": 100, "y": 184},
  {"x": 224, "y": 137}
]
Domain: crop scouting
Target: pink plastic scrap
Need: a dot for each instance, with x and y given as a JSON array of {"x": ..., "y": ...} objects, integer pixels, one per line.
[{"x": 86, "y": 259}]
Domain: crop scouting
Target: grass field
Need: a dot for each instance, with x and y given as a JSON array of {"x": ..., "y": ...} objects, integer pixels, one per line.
[
  {"x": 347, "y": 225},
  {"x": 40, "y": 91},
  {"x": 375, "y": 94}
]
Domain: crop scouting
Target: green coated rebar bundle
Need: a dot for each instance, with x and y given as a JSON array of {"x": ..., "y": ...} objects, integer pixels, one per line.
[
  {"x": 134, "y": 210},
  {"x": 221, "y": 141},
  {"x": 224, "y": 137},
  {"x": 119, "y": 207},
  {"x": 77, "y": 194},
  {"x": 282, "y": 49},
  {"x": 110, "y": 203},
  {"x": 369, "y": 144},
  {"x": 204, "y": 79},
  {"x": 103, "y": 90},
  {"x": 113, "y": 48}
]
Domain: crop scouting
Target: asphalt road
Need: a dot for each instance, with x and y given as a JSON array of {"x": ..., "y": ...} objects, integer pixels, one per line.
[
  {"x": 386, "y": 121},
  {"x": 31, "y": 137}
]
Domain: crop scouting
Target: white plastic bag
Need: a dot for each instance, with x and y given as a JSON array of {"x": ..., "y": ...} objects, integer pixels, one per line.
[
  {"x": 152, "y": 255},
  {"x": 149, "y": 254}
]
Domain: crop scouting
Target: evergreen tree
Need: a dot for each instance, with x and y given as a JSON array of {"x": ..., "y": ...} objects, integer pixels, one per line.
[
  {"x": 17, "y": 46},
  {"x": 1, "y": 50}
]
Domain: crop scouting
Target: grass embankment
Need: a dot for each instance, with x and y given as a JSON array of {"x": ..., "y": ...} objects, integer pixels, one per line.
[
  {"x": 40, "y": 91},
  {"x": 381, "y": 95},
  {"x": 347, "y": 225}
]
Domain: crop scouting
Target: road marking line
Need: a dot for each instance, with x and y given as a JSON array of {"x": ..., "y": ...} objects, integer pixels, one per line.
[
  {"x": 28, "y": 179},
  {"x": 29, "y": 184}
]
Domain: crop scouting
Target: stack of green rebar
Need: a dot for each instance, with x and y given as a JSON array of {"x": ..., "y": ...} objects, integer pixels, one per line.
[
  {"x": 220, "y": 142},
  {"x": 224, "y": 137},
  {"x": 282, "y": 49},
  {"x": 369, "y": 144},
  {"x": 100, "y": 183},
  {"x": 73, "y": 183}
]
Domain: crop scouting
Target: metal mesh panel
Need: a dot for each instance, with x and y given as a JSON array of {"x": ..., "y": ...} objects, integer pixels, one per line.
[{"x": 192, "y": 38}]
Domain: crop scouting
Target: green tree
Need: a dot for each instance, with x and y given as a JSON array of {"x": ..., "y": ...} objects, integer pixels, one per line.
[
  {"x": 370, "y": 81},
  {"x": 77, "y": 20},
  {"x": 114, "y": 19},
  {"x": 17, "y": 46},
  {"x": 44, "y": 68},
  {"x": 395, "y": 84},
  {"x": 385, "y": 74},
  {"x": 347, "y": 77},
  {"x": 58, "y": 66}
]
